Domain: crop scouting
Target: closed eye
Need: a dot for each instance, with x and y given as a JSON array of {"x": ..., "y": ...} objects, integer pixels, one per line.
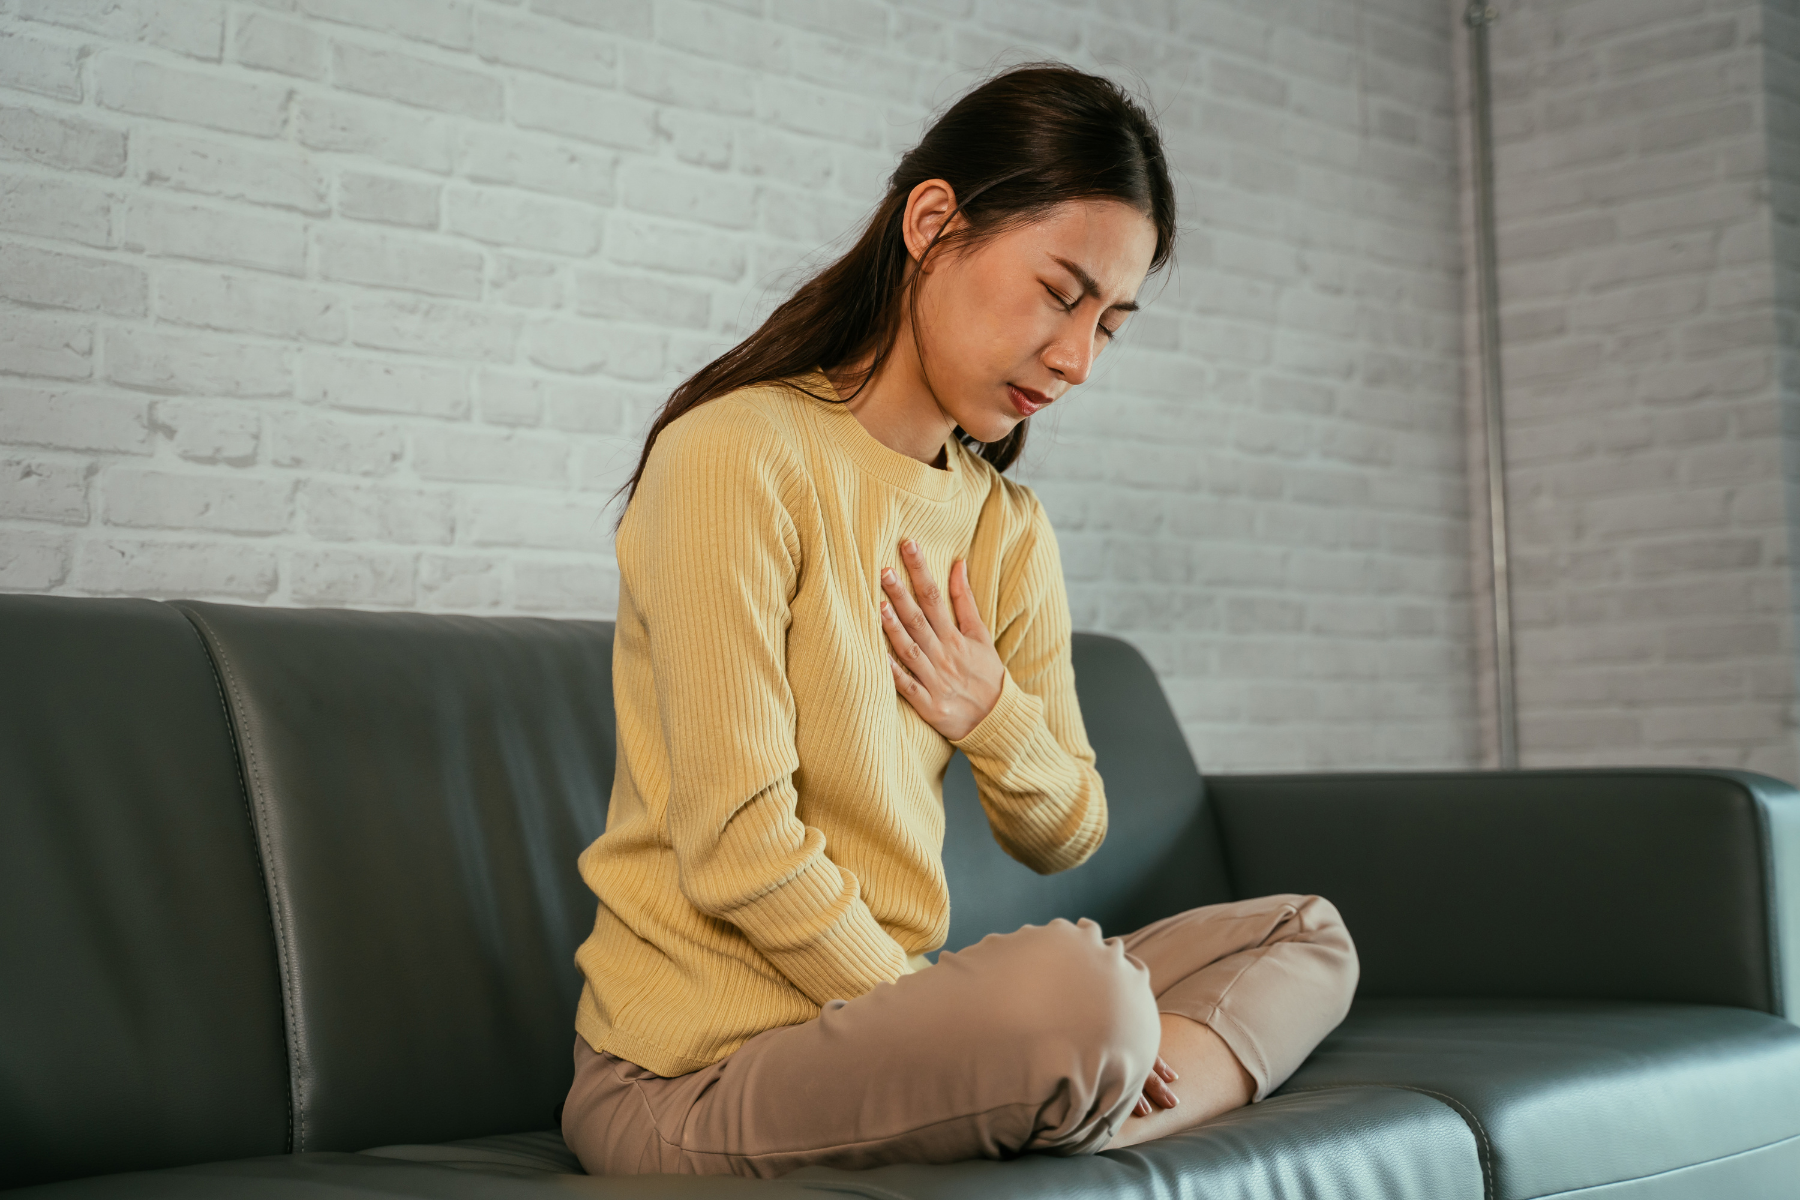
[{"x": 1068, "y": 306}]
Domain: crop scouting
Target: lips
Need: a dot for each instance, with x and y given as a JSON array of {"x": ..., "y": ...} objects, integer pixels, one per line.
[{"x": 1026, "y": 400}]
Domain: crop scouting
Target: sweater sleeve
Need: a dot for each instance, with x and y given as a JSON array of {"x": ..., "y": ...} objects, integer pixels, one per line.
[
  {"x": 713, "y": 565},
  {"x": 1032, "y": 762}
]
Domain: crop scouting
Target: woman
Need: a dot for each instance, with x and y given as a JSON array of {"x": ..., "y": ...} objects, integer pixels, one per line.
[{"x": 790, "y": 678}]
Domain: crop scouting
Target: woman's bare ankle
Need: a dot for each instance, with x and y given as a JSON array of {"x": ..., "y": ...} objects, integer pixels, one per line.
[{"x": 1211, "y": 1082}]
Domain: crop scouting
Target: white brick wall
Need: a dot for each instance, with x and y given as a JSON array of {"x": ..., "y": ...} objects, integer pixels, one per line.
[
  {"x": 1651, "y": 530},
  {"x": 366, "y": 302}
]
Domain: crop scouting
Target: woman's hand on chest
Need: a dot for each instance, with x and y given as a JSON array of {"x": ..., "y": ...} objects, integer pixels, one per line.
[{"x": 943, "y": 657}]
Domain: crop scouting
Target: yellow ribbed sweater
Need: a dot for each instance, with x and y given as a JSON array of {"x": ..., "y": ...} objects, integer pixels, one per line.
[{"x": 776, "y": 828}]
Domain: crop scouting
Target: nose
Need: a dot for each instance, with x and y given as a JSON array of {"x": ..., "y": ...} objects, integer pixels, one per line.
[{"x": 1070, "y": 359}]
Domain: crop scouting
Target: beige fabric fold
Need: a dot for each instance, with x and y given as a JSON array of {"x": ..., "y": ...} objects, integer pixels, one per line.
[{"x": 1036, "y": 1041}]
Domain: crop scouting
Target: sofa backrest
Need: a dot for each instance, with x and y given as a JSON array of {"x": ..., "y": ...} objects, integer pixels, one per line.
[
  {"x": 421, "y": 786},
  {"x": 370, "y": 939},
  {"x": 1162, "y": 851},
  {"x": 140, "y": 1012}
]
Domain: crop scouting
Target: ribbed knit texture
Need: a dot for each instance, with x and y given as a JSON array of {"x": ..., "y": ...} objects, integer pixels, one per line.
[{"x": 775, "y": 836}]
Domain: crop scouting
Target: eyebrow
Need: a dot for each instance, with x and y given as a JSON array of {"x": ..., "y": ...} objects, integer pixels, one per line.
[{"x": 1089, "y": 287}]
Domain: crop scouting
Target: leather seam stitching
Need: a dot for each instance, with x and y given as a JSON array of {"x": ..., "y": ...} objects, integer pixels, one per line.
[
  {"x": 226, "y": 678},
  {"x": 1484, "y": 1149}
]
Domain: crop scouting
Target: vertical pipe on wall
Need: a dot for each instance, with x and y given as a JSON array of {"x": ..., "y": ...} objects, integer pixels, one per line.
[{"x": 1479, "y": 17}]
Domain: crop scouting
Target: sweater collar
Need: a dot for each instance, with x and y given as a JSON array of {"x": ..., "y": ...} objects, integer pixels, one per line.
[{"x": 883, "y": 462}]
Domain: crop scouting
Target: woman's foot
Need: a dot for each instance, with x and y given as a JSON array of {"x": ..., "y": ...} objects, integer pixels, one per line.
[{"x": 1209, "y": 1081}]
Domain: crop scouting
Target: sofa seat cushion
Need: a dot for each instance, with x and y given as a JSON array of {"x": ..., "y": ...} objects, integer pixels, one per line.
[
  {"x": 1566, "y": 1095},
  {"x": 1339, "y": 1144},
  {"x": 1374, "y": 1143},
  {"x": 329, "y": 1175},
  {"x": 1345, "y": 1144},
  {"x": 526, "y": 1155}
]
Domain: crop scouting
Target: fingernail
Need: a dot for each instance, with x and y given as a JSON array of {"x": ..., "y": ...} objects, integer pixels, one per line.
[
  {"x": 887, "y": 573},
  {"x": 912, "y": 547}
]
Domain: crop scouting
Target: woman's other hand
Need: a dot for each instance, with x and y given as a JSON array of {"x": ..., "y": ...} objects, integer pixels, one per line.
[
  {"x": 1157, "y": 1093},
  {"x": 944, "y": 661}
]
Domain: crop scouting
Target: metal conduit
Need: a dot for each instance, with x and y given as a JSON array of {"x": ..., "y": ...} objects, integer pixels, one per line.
[{"x": 1479, "y": 17}]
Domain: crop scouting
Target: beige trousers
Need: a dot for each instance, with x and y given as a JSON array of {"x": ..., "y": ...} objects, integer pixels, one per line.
[{"x": 1037, "y": 1040}]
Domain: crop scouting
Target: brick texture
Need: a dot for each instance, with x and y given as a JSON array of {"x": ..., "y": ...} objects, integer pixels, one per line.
[
  {"x": 1639, "y": 146},
  {"x": 367, "y": 302}
]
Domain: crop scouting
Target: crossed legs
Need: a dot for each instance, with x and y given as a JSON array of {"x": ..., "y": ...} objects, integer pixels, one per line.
[{"x": 1038, "y": 1040}]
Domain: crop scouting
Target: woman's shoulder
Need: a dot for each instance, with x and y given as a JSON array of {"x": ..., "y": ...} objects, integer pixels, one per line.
[
  {"x": 1014, "y": 504},
  {"x": 749, "y": 421}
]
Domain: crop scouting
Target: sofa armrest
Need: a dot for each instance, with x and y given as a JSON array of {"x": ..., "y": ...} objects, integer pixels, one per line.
[{"x": 1646, "y": 884}]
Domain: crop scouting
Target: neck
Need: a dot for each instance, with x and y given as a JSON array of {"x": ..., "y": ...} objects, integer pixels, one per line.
[{"x": 897, "y": 406}]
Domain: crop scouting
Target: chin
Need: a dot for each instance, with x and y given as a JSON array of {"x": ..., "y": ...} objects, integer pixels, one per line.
[{"x": 993, "y": 429}]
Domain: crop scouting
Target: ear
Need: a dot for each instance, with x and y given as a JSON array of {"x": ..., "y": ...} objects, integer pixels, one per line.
[{"x": 927, "y": 208}]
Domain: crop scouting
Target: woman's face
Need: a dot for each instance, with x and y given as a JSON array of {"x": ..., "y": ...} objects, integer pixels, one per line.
[{"x": 1010, "y": 324}]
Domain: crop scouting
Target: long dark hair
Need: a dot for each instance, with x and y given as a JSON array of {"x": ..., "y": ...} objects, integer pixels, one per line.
[{"x": 1012, "y": 148}]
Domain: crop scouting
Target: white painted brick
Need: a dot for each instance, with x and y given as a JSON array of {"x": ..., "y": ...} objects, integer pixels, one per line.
[
  {"x": 584, "y": 347},
  {"x": 273, "y": 44},
  {"x": 404, "y": 261},
  {"x": 381, "y": 385},
  {"x": 688, "y": 195},
  {"x": 210, "y": 299},
  {"x": 697, "y": 138},
  {"x": 133, "y": 567},
  {"x": 310, "y": 442},
  {"x": 65, "y": 420},
  {"x": 196, "y": 364},
  {"x": 803, "y": 108},
  {"x": 642, "y": 299},
  {"x": 339, "y": 578},
  {"x": 548, "y": 46},
  {"x": 419, "y": 81},
  {"x": 388, "y": 198},
  {"x": 690, "y": 83},
  {"x": 193, "y": 97},
  {"x": 337, "y": 512},
  {"x": 441, "y": 22},
  {"x": 509, "y": 398},
  {"x": 37, "y": 65},
  {"x": 588, "y": 114},
  {"x": 525, "y": 282},
  {"x": 284, "y": 179},
  {"x": 44, "y": 489},
  {"x": 590, "y": 408},
  {"x": 177, "y": 229},
  {"x": 425, "y": 327},
  {"x": 630, "y": 18},
  {"x": 507, "y": 218},
  {"x": 47, "y": 277},
  {"x": 224, "y": 503},
  {"x": 209, "y": 432},
  {"x": 538, "y": 165},
  {"x": 469, "y": 455},
  {"x": 582, "y": 525},
  {"x": 348, "y": 126},
  {"x": 191, "y": 27},
  {"x": 56, "y": 347},
  {"x": 712, "y": 32},
  {"x": 33, "y": 135},
  {"x": 64, "y": 210},
  {"x": 724, "y": 176},
  {"x": 634, "y": 241},
  {"x": 456, "y": 582},
  {"x": 576, "y": 589},
  {"x": 33, "y": 560}
]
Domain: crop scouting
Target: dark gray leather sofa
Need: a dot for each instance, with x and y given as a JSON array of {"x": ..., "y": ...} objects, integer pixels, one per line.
[{"x": 288, "y": 901}]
